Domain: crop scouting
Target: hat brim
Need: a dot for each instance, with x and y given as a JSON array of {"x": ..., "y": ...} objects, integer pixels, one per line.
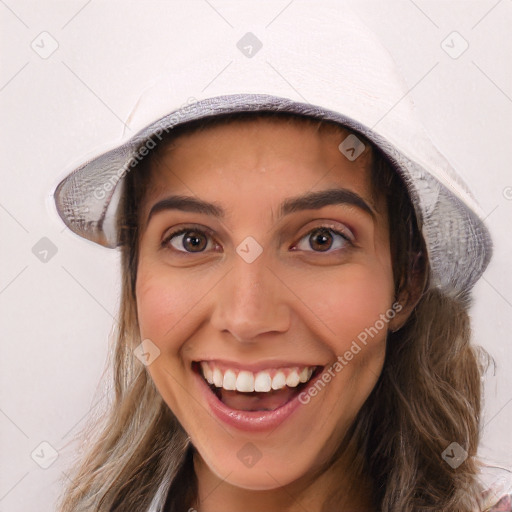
[{"x": 458, "y": 243}]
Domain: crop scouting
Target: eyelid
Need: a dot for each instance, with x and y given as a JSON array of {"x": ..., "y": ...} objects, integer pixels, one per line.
[
  {"x": 170, "y": 232},
  {"x": 334, "y": 225}
]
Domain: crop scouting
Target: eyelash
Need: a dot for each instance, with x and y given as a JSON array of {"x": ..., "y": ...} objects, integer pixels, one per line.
[{"x": 200, "y": 230}]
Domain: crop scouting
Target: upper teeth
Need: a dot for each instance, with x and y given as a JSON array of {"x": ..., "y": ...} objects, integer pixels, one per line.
[{"x": 246, "y": 382}]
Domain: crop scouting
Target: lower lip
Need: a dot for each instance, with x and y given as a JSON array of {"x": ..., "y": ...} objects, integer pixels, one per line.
[{"x": 253, "y": 421}]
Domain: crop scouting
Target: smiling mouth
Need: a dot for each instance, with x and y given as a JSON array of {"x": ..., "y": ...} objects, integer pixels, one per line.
[{"x": 266, "y": 390}]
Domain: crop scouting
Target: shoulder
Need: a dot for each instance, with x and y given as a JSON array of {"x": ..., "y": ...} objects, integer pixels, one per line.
[
  {"x": 496, "y": 486},
  {"x": 504, "y": 504}
]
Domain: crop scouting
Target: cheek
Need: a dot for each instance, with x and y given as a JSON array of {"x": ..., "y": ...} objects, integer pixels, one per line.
[
  {"x": 351, "y": 300},
  {"x": 161, "y": 303},
  {"x": 170, "y": 304}
]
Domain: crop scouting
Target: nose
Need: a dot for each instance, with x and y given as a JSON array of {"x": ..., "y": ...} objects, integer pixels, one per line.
[{"x": 250, "y": 302}]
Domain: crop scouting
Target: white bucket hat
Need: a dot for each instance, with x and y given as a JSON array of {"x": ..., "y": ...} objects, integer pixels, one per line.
[{"x": 316, "y": 59}]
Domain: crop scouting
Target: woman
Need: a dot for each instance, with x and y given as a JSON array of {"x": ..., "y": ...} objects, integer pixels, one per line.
[{"x": 293, "y": 330}]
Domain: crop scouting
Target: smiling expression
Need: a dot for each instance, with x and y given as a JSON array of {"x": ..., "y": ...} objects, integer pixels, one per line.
[{"x": 261, "y": 283}]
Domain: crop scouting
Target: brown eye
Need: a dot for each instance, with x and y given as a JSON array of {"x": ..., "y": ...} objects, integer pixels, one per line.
[
  {"x": 323, "y": 238},
  {"x": 187, "y": 240}
]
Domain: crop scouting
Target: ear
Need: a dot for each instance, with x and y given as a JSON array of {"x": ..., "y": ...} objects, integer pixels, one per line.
[{"x": 410, "y": 294}]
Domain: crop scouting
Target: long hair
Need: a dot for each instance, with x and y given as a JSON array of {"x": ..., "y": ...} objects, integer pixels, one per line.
[{"x": 426, "y": 398}]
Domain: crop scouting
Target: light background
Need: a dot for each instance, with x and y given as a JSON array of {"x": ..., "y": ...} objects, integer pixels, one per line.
[{"x": 56, "y": 316}]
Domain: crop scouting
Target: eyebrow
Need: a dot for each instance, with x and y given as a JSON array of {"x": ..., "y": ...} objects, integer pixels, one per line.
[{"x": 308, "y": 201}]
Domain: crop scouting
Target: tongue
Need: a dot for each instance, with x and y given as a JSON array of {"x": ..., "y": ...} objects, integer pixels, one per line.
[{"x": 257, "y": 401}]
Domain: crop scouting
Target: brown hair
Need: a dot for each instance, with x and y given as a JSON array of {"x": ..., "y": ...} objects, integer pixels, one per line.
[{"x": 427, "y": 396}]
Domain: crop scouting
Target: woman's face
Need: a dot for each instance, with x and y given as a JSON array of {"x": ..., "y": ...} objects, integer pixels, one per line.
[{"x": 261, "y": 289}]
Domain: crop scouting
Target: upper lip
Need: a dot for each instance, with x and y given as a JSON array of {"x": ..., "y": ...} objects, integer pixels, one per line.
[{"x": 258, "y": 366}]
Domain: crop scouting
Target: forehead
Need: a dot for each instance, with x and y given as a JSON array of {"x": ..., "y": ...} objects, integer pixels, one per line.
[{"x": 258, "y": 159}]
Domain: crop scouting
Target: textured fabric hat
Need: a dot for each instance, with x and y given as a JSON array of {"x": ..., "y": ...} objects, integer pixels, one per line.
[{"x": 316, "y": 59}]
